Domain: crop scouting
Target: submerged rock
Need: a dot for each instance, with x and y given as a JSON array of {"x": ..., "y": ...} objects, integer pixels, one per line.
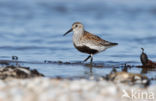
[
  {"x": 129, "y": 78},
  {"x": 18, "y": 72}
]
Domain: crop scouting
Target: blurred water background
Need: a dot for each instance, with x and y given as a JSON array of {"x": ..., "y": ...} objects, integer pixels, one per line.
[{"x": 33, "y": 29}]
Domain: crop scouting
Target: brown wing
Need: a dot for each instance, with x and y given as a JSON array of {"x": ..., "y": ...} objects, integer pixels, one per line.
[{"x": 96, "y": 40}]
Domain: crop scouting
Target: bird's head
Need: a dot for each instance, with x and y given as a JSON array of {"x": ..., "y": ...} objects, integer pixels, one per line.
[{"x": 77, "y": 26}]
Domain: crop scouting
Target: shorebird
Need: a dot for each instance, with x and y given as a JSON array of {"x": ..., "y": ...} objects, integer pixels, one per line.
[{"x": 87, "y": 42}]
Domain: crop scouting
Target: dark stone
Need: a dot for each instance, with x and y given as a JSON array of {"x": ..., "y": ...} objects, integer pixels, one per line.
[
  {"x": 4, "y": 62},
  {"x": 36, "y": 73},
  {"x": 14, "y": 58},
  {"x": 18, "y": 72},
  {"x": 60, "y": 62},
  {"x": 145, "y": 61},
  {"x": 143, "y": 58},
  {"x": 21, "y": 74}
]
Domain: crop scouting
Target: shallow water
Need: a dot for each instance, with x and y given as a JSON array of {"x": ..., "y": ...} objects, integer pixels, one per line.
[{"x": 33, "y": 29}]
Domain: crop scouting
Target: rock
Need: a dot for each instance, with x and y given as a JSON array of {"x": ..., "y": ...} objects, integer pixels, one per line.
[
  {"x": 147, "y": 63},
  {"x": 129, "y": 78},
  {"x": 18, "y": 72}
]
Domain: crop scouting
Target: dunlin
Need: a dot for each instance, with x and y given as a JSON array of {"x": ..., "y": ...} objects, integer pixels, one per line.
[{"x": 86, "y": 42}]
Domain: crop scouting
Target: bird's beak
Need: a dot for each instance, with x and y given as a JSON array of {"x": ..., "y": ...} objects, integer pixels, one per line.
[{"x": 68, "y": 31}]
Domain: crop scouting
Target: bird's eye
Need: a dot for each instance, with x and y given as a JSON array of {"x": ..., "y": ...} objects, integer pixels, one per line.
[{"x": 76, "y": 25}]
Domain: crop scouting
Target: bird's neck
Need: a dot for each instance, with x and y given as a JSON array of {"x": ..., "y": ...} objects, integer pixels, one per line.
[
  {"x": 77, "y": 36},
  {"x": 78, "y": 33}
]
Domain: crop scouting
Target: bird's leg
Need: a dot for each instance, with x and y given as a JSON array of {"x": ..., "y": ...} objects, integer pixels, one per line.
[
  {"x": 87, "y": 58},
  {"x": 91, "y": 63},
  {"x": 91, "y": 60}
]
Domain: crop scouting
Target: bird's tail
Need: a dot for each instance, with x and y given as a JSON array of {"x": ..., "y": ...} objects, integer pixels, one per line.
[{"x": 111, "y": 45}]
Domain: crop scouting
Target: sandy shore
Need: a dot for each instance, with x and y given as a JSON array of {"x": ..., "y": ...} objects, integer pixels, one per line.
[{"x": 46, "y": 89}]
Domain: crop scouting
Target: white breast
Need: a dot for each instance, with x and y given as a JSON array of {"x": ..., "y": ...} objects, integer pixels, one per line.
[{"x": 76, "y": 37}]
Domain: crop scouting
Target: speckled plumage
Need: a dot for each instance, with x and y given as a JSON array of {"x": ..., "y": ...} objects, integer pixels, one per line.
[{"x": 86, "y": 42}]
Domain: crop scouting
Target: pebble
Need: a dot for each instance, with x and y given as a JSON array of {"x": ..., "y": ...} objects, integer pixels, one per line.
[{"x": 46, "y": 89}]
